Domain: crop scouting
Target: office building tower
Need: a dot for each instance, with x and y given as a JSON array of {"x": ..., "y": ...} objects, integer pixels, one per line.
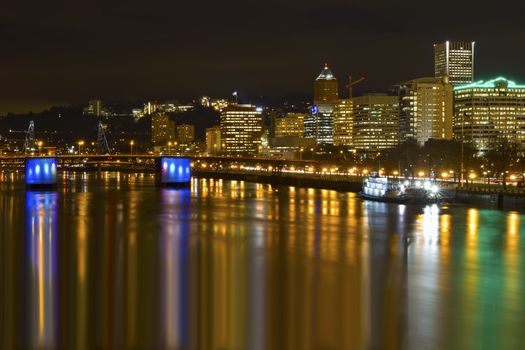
[
  {"x": 325, "y": 87},
  {"x": 185, "y": 133},
  {"x": 426, "y": 109},
  {"x": 319, "y": 125},
  {"x": 310, "y": 124},
  {"x": 376, "y": 122},
  {"x": 213, "y": 140},
  {"x": 162, "y": 129},
  {"x": 241, "y": 129},
  {"x": 487, "y": 111},
  {"x": 290, "y": 125},
  {"x": 455, "y": 59},
  {"x": 343, "y": 122}
]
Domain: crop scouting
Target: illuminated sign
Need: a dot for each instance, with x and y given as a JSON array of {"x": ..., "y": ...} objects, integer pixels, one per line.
[
  {"x": 175, "y": 170},
  {"x": 314, "y": 109},
  {"x": 41, "y": 171}
]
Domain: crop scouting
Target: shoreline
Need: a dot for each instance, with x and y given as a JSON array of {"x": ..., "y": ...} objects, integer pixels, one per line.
[{"x": 468, "y": 196}]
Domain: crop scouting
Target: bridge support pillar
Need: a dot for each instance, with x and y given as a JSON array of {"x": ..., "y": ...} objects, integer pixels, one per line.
[
  {"x": 173, "y": 171},
  {"x": 41, "y": 172}
]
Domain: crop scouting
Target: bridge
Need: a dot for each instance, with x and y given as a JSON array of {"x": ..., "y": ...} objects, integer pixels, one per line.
[{"x": 147, "y": 161}]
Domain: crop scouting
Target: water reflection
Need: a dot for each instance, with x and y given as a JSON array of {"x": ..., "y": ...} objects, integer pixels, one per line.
[
  {"x": 174, "y": 260},
  {"x": 114, "y": 262},
  {"x": 41, "y": 238}
]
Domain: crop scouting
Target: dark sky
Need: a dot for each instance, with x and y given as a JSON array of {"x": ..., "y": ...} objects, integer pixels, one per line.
[{"x": 73, "y": 51}]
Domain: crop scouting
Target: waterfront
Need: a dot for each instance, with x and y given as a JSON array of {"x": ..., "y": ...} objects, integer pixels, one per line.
[{"x": 112, "y": 261}]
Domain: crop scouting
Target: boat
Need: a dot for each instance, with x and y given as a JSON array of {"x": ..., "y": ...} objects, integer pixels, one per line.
[{"x": 384, "y": 189}]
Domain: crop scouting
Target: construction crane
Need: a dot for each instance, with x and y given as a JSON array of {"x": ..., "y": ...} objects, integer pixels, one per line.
[
  {"x": 102, "y": 142},
  {"x": 30, "y": 143},
  {"x": 351, "y": 84}
]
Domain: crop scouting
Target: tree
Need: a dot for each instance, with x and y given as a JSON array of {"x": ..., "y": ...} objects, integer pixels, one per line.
[{"x": 502, "y": 156}]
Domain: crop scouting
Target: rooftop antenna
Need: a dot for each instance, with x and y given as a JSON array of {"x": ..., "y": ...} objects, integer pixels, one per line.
[
  {"x": 102, "y": 142},
  {"x": 29, "y": 143}
]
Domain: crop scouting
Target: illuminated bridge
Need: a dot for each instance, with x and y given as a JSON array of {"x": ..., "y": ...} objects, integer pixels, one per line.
[
  {"x": 145, "y": 161},
  {"x": 267, "y": 170}
]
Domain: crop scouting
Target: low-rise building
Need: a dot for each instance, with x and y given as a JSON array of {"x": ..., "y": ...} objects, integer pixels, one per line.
[{"x": 213, "y": 140}]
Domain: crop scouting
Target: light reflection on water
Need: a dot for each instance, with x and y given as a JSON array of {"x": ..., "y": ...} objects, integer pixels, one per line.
[{"x": 111, "y": 261}]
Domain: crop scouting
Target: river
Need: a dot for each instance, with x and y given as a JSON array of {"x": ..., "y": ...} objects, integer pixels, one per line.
[{"x": 111, "y": 261}]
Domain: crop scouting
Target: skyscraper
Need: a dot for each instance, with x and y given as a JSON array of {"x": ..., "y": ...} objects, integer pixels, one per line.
[
  {"x": 376, "y": 122},
  {"x": 320, "y": 124},
  {"x": 426, "y": 109},
  {"x": 486, "y": 111},
  {"x": 241, "y": 129},
  {"x": 455, "y": 59},
  {"x": 325, "y": 87}
]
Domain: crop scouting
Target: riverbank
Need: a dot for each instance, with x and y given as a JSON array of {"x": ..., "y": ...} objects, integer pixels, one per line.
[{"x": 480, "y": 198}]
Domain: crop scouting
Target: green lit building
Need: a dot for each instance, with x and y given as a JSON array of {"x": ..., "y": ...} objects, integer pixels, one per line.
[{"x": 486, "y": 111}]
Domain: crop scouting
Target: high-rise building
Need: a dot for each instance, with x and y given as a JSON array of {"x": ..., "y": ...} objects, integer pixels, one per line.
[
  {"x": 290, "y": 125},
  {"x": 185, "y": 133},
  {"x": 310, "y": 124},
  {"x": 320, "y": 123},
  {"x": 343, "y": 122},
  {"x": 455, "y": 59},
  {"x": 426, "y": 109},
  {"x": 376, "y": 122},
  {"x": 94, "y": 108},
  {"x": 213, "y": 140},
  {"x": 241, "y": 129},
  {"x": 162, "y": 129},
  {"x": 486, "y": 111},
  {"x": 325, "y": 87}
]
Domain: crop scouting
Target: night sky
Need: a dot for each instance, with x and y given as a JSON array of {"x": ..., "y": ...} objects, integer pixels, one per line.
[{"x": 71, "y": 52}]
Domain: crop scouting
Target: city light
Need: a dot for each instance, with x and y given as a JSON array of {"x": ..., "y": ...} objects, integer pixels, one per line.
[
  {"x": 41, "y": 171},
  {"x": 175, "y": 170}
]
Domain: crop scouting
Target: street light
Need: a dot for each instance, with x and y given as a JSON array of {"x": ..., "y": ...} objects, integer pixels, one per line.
[
  {"x": 169, "y": 146},
  {"x": 80, "y": 144},
  {"x": 131, "y": 143},
  {"x": 39, "y": 146}
]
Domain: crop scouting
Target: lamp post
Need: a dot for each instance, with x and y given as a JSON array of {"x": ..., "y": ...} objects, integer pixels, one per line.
[
  {"x": 169, "y": 146},
  {"x": 80, "y": 144},
  {"x": 462, "y": 148},
  {"x": 131, "y": 143}
]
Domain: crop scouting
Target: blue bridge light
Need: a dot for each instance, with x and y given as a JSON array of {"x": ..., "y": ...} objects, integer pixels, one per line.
[
  {"x": 175, "y": 170},
  {"x": 41, "y": 171}
]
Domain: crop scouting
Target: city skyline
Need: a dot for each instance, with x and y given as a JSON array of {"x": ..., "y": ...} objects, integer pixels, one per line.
[{"x": 124, "y": 53}]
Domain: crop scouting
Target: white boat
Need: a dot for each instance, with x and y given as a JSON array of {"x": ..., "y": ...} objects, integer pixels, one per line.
[{"x": 384, "y": 189}]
